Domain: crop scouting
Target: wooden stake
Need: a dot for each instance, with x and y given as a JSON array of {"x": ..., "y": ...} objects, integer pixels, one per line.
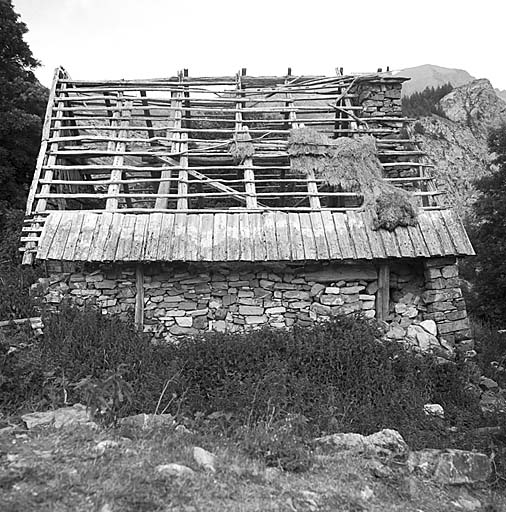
[
  {"x": 383, "y": 294},
  {"x": 139, "y": 296}
]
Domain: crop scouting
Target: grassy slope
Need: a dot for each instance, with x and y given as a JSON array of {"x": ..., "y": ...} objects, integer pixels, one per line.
[{"x": 50, "y": 470}]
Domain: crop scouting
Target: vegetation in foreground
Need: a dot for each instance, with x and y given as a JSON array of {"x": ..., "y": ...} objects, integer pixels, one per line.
[
  {"x": 47, "y": 470},
  {"x": 269, "y": 390}
]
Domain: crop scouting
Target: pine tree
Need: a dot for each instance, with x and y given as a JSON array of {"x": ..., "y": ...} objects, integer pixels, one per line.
[
  {"x": 22, "y": 106},
  {"x": 489, "y": 236},
  {"x": 425, "y": 103}
]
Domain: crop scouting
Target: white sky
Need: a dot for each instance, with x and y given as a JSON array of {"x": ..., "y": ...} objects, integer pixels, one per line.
[{"x": 113, "y": 39}]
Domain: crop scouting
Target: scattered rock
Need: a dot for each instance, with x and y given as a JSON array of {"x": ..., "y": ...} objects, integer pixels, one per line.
[
  {"x": 145, "y": 421},
  {"x": 181, "y": 429},
  {"x": 430, "y": 326},
  {"x": 59, "y": 418},
  {"x": 487, "y": 383},
  {"x": 400, "y": 308},
  {"x": 451, "y": 466},
  {"x": 378, "y": 469},
  {"x": 343, "y": 442},
  {"x": 385, "y": 443},
  {"x": 272, "y": 474},
  {"x": 106, "y": 445},
  {"x": 366, "y": 493},
  {"x": 426, "y": 342},
  {"x": 396, "y": 332},
  {"x": 204, "y": 459},
  {"x": 434, "y": 410},
  {"x": 492, "y": 403},
  {"x": 468, "y": 503},
  {"x": 174, "y": 470},
  {"x": 306, "y": 500}
]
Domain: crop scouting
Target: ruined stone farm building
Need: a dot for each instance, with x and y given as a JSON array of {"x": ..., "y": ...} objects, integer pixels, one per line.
[{"x": 177, "y": 201}]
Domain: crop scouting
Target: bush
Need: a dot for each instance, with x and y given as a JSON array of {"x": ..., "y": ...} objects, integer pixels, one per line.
[
  {"x": 15, "y": 280},
  {"x": 336, "y": 375},
  {"x": 282, "y": 444}
]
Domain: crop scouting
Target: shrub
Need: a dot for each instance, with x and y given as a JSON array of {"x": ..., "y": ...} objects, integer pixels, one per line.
[
  {"x": 337, "y": 375},
  {"x": 282, "y": 444},
  {"x": 15, "y": 280}
]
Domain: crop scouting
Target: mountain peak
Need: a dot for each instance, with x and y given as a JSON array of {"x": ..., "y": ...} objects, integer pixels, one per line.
[{"x": 430, "y": 75}]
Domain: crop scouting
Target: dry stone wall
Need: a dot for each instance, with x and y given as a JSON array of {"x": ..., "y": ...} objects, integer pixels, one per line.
[
  {"x": 426, "y": 310},
  {"x": 380, "y": 98},
  {"x": 235, "y": 298}
]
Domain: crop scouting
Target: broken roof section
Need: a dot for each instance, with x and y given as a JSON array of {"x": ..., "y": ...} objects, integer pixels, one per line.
[{"x": 208, "y": 145}]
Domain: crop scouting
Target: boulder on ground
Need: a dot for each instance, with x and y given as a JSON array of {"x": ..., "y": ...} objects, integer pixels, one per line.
[
  {"x": 385, "y": 443},
  {"x": 451, "y": 466},
  {"x": 434, "y": 410},
  {"x": 174, "y": 470},
  {"x": 204, "y": 459},
  {"x": 59, "y": 418},
  {"x": 145, "y": 421}
]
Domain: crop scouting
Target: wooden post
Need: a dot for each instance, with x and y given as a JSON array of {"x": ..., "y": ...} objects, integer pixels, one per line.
[
  {"x": 182, "y": 149},
  {"x": 139, "y": 296},
  {"x": 383, "y": 294},
  {"x": 248, "y": 174},
  {"x": 121, "y": 116},
  {"x": 314, "y": 199}
]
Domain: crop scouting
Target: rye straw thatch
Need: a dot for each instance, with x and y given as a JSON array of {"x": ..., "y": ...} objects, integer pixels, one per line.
[
  {"x": 242, "y": 147},
  {"x": 352, "y": 165}
]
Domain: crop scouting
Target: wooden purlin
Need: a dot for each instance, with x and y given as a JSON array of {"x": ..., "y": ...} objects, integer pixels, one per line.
[{"x": 29, "y": 247}]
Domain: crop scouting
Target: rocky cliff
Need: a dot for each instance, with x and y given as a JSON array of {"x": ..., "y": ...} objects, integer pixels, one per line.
[{"x": 457, "y": 144}]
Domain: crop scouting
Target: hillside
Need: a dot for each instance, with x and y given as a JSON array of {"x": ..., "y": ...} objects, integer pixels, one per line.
[{"x": 457, "y": 143}]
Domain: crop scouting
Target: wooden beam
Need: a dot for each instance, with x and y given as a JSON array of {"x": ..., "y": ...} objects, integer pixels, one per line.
[
  {"x": 28, "y": 256},
  {"x": 383, "y": 293},
  {"x": 248, "y": 173},
  {"x": 120, "y": 148},
  {"x": 139, "y": 296},
  {"x": 312, "y": 188}
]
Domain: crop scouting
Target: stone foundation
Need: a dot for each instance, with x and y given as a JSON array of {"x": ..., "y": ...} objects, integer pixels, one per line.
[{"x": 426, "y": 307}]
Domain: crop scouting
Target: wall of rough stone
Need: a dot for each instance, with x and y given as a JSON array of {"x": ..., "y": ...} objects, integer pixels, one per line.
[
  {"x": 380, "y": 98},
  {"x": 426, "y": 308},
  {"x": 445, "y": 303}
]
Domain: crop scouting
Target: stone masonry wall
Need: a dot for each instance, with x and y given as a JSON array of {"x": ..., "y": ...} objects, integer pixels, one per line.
[
  {"x": 445, "y": 303},
  {"x": 426, "y": 309},
  {"x": 380, "y": 98}
]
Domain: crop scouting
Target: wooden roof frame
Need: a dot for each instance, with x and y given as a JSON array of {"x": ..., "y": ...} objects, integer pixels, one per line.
[{"x": 163, "y": 145}]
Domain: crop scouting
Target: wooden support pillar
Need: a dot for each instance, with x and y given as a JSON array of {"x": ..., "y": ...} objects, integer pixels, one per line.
[
  {"x": 122, "y": 115},
  {"x": 139, "y": 296},
  {"x": 248, "y": 174},
  {"x": 383, "y": 293}
]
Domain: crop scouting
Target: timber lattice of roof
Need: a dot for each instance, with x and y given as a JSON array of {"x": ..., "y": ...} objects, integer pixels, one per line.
[{"x": 164, "y": 146}]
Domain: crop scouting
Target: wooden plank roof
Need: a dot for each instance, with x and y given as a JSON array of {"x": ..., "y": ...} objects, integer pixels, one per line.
[{"x": 269, "y": 236}]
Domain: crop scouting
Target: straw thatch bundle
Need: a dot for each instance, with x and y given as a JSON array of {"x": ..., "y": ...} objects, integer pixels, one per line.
[
  {"x": 394, "y": 208},
  {"x": 242, "y": 147},
  {"x": 353, "y": 165}
]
